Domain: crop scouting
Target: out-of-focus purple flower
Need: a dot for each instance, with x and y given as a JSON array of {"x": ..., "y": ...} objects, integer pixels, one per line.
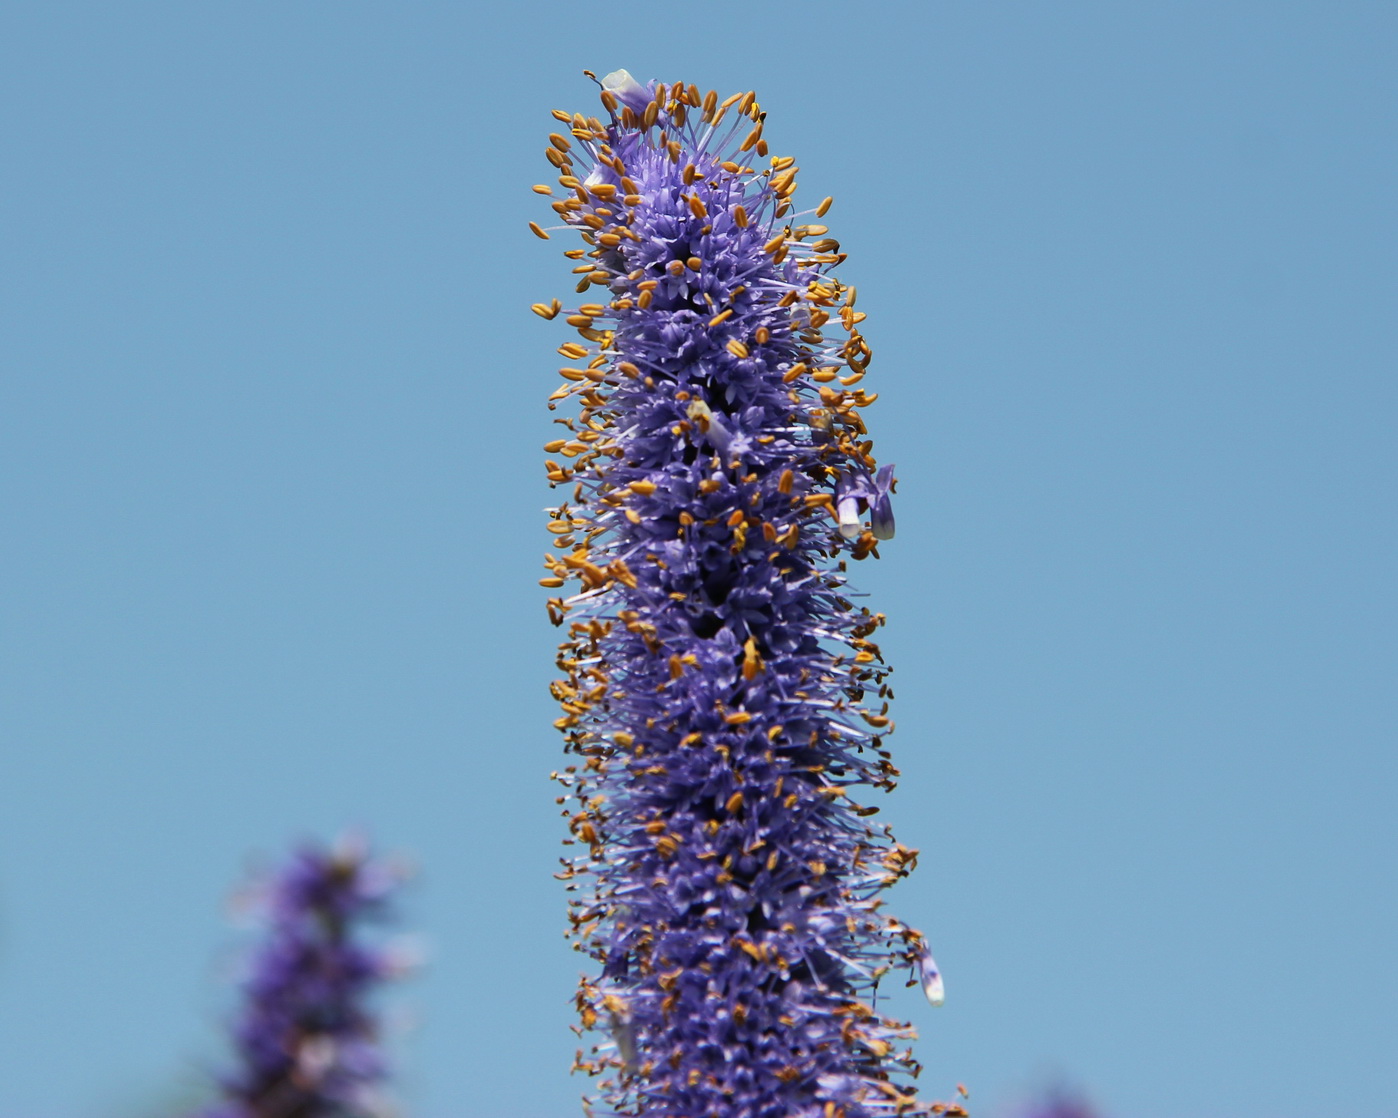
[
  {"x": 722, "y": 693},
  {"x": 306, "y": 1037},
  {"x": 1059, "y": 1104}
]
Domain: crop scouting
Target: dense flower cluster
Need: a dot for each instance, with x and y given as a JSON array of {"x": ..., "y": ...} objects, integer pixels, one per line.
[
  {"x": 306, "y": 1038},
  {"x": 717, "y": 677}
]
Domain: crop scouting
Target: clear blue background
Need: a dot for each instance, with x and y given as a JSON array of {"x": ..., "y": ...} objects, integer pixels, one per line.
[{"x": 270, "y": 408}]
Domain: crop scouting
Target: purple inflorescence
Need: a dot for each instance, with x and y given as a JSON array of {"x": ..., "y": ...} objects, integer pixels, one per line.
[
  {"x": 718, "y": 678},
  {"x": 1060, "y": 1104},
  {"x": 306, "y": 1038}
]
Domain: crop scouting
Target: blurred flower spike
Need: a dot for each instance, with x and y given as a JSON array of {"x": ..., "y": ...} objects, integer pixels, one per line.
[
  {"x": 721, "y": 693},
  {"x": 307, "y": 1039},
  {"x": 1059, "y": 1103}
]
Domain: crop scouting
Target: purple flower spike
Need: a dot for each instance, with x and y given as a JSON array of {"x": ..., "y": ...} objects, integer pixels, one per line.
[
  {"x": 1060, "y": 1104},
  {"x": 720, "y": 687},
  {"x": 306, "y": 1039}
]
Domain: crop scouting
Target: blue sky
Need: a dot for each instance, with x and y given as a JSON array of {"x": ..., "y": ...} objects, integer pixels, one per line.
[{"x": 270, "y": 408}]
